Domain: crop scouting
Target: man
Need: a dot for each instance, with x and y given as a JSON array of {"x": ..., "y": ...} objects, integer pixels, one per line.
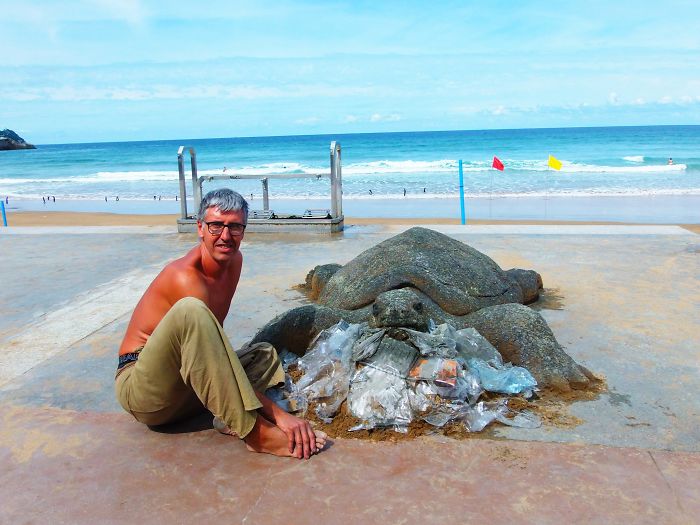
[{"x": 175, "y": 359}]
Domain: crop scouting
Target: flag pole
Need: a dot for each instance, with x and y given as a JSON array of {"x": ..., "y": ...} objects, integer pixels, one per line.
[{"x": 461, "y": 192}]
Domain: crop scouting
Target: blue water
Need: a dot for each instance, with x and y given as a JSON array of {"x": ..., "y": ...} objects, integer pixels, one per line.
[{"x": 596, "y": 161}]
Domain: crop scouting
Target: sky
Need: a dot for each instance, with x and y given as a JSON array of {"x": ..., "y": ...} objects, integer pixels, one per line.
[{"x": 102, "y": 70}]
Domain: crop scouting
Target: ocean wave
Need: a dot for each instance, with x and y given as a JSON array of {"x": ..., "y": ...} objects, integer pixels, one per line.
[
  {"x": 535, "y": 193},
  {"x": 634, "y": 158}
]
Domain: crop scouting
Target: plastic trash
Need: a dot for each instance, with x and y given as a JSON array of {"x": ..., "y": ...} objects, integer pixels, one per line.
[
  {"x": 506, "y": 379},
  {"x": 379, "y": 399},
  {"x": 471, "y": 344},
  {"x": 523, "y": 419},
  {"x": 368, "y": 343},
  {"x": 439, "y": 342},
  {"x": 327, "y": 368},
  {"x": 477, "y": 417},
  {"x": 287, "y": 358},
  {"x": 442, "y": 372}
]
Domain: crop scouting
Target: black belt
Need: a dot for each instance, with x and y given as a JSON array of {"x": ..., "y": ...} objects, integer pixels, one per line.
[{"x": 125, "y": 359}]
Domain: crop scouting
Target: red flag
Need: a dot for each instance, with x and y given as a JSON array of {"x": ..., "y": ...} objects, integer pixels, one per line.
[{"x": 497, "y": 164}]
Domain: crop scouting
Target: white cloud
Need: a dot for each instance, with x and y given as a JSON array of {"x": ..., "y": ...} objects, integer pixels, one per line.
[
  {"x": 376, "y": 117},
  {"x": 350, "y": 118},
  {"x": 613, "y": 98},
  {"x": 500, "y": 110},
  {"x": 666, "y": 100}
]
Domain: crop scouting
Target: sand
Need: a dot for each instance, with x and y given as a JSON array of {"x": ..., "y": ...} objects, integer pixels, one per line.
[{"x": 63, "y": 218}]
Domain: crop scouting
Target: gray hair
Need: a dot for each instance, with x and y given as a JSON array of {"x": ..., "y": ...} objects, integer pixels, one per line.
[{"x": 224, "y": 199}]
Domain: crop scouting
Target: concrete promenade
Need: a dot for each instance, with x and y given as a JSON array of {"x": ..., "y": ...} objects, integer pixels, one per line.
[{"x": 622, "y": 300}]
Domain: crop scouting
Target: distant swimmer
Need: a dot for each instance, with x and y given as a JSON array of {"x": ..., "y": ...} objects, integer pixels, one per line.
[
  {"x": 53, "y": 198},
  {"x": 43, "y": 199},
  {"x": 117, "y": 198},
  {"x": 105, "y": 198},
  {"x": 7, "y": 200},
  {"x": 670, "y": 161},
  {"x": 404, "y": 192},
  {"x": 370, "y": 192},
  {"x": 423, "y": 190}
]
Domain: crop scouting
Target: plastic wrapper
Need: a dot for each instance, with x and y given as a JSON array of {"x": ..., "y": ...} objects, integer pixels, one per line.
[
  {"x": 367, "y": 345},
  {"x": 471, "y": 344},
  {"x": 477, "y": 417},
  {"x": 327, "y": 368},
  {"x": 439, "y": 342},
  {"x": 506, "y": 379},
  {"x": 524, "y": 419},
  {"x": 379, "y": 399},
  {"x": 442, "y": 372}
]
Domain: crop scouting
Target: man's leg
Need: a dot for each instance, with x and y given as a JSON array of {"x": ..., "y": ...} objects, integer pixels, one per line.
[{"x": 187, "y": 364}]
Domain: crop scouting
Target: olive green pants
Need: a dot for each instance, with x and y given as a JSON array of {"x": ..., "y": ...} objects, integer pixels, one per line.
[{"x": 188, "y": 365}]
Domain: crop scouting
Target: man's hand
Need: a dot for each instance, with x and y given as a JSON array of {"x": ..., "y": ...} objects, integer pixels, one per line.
[{"x": 300, "y": 435}]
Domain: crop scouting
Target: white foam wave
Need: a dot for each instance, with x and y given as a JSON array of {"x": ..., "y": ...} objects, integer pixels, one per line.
[{"x": 634, "y": 158}]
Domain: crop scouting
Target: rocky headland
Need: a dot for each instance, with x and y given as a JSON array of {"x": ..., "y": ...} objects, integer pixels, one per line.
[{"x": 10, "y": 140}]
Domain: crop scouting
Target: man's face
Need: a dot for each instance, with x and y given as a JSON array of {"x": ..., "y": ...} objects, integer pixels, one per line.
[{"x": 221, "y": 246}]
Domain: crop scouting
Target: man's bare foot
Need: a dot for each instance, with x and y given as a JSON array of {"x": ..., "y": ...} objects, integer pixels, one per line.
[
  {"x": 321, "y": 438},
  {"x": 267, "y": 438}
]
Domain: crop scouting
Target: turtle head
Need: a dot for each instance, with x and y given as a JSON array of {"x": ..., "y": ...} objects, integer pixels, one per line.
[{"x": 399, "y": 308}]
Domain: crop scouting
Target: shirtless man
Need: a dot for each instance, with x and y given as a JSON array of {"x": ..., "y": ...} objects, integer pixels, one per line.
[{"x": 175, "y": 359}]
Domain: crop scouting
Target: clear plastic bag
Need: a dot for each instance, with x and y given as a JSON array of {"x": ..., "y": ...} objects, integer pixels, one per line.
[
  {"x": 476, "y": 418},
  {"x": 379, "y": 399},
  {"x": 327, "y": 368},
  {"x": 506, "y": 379},
  {"x": 471, "y": 344}
]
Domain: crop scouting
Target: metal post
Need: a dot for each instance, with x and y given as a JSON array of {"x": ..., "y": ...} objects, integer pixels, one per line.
[
  {"x": 266, "y": 196},
  {"x": 183, "y": 190},
  {"x": 196, "y": 189},
  {"x": 336, "y": 181},
  {"x": 4, "y": 216},
  {"x": 461, "y": 192}
]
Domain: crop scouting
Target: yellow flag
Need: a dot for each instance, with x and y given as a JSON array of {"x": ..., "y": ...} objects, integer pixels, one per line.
[{"x": 554, "y": 163}]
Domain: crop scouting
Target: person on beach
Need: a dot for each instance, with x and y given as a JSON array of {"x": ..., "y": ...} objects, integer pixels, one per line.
[
  {"x": 43, "y": 199},
  {"x": 670, "y": 161},
  {"x": 176, "y": 361}
]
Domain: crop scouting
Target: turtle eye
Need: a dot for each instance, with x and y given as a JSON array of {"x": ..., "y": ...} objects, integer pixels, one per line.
[
  {"x": 375, "y": 309},
  {"x": 418, "y": 307}
]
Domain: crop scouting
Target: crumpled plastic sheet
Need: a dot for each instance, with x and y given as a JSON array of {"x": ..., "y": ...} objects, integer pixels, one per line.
[
  {"x": 379, "y": 399},
  {"x": 368, "y": 343},
  {"x": 506, "y": 378},
  {"x": 327, "y": 368},
  {"x": 471, "y": 344},
  {"x": 522, "y": 419},
  {"x": 438, "y": 342},
  {"x": 476, "y": 418}
]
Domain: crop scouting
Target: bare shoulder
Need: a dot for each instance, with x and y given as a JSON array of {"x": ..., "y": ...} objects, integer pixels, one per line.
[{"x": 182, "y": 277}]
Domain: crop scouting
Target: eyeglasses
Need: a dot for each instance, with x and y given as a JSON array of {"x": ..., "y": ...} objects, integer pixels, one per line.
[{"x": 217, "y": 228}]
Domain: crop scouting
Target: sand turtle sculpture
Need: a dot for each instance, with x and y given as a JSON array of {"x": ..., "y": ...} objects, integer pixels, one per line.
[{"x": 422, "y": 275}]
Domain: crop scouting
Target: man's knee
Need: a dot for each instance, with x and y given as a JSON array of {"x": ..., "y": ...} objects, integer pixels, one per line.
[{"x": 190, "y": 307}]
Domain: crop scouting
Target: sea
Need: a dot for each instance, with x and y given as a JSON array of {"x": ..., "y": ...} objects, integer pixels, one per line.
[{"x": 407, "y": 170}]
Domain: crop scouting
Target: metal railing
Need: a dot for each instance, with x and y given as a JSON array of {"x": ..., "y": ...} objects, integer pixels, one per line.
[{"x": 335, "y": 176}]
